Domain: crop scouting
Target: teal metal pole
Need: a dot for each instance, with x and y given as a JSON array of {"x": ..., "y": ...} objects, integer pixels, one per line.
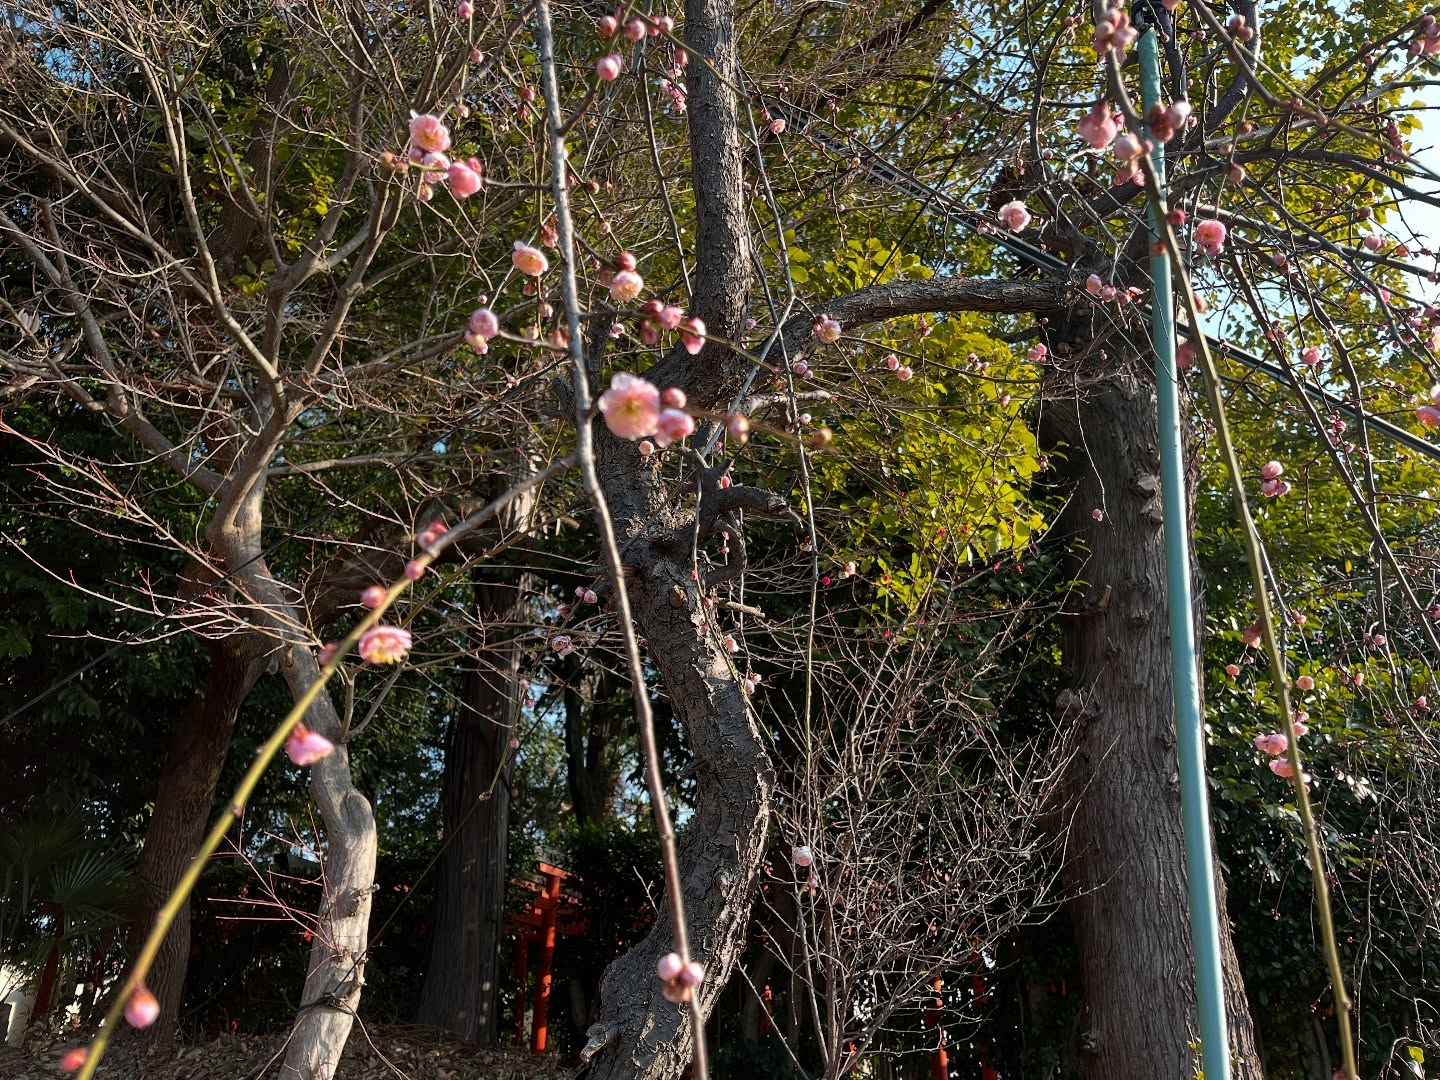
[{"x": 1189, "y": 716}]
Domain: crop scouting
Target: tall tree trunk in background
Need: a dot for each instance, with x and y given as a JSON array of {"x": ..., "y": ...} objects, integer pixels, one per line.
[
  {"x": 590, "y": 727},
  {"x": 1126, "y": 860},
  {"x": 183, "y": 802},
  {"x": 463, "y": 975}
]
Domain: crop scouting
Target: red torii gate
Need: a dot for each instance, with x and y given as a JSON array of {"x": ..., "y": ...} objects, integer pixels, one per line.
[{"x": 550, "y": 914}]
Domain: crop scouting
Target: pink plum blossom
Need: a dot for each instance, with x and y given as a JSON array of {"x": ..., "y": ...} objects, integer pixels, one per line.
[
  {"x": 529, "y": 260},
  {"x": 1210, "y": 235},
  {"x": 1185, "y": 356},
  {"x": 464, "y": 9},
  {"x": 892, "y": 362},
  {"x": 429, "y": 133},
  {"x": 1097, "y": 514},
  {"x": 1428, "y": 415},
  {"x": 1282, "y": 767},
  {"x": 777, "y": 126},
  {"x": 1305, "y": 682},
  {"x": 827, "y": 329},
  {"x": 1310, "y": 355},
  {"x": 1233, "y": 670},
  {"x": 625, "y": 286},
  {"x": 1271, "y": 469},
  {"x": 802, "y": 856},
  {"x": 631, "y": 406},
  {"x": 306, "y": 747},
  {"x": 1372, "y": 242},
  {"x": 1037, "y": 352},
  {"x": 385, "y": 644},
  {"x": 609, "y": 67},
  {"x": 1093, "y": 284},
  {"x": 1014, "y": 216},
  {"x": 903, "y": 373}
]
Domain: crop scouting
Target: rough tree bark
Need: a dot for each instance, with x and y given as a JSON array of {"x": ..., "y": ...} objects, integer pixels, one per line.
[
  {"x": 463, "y": 975},
  {"x": 183, "y": 802},
  {"x": 1126, "y": 863}
]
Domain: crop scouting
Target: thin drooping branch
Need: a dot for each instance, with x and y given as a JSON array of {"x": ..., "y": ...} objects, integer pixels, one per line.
[{"x": 585, "y": 450}]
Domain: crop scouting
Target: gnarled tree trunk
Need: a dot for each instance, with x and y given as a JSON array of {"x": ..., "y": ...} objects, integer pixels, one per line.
[
  {"x": 341, "y": 924},
  {"x": 183, "y": 802},
  {"x": 1126, "y": 860},
  {"x": 463, "y": 975}
]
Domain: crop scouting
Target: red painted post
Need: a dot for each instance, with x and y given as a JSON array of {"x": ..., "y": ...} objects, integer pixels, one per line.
[
  {"x": 940, "y": 1060},
  {"x": 550, "y": 910},
  {"x": 522, "y": 970}
]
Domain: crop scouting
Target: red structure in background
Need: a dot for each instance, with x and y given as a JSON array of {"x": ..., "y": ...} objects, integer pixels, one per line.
[
  {"x": 549, "y": 915},
  {"x": 939, "y": 1060}
]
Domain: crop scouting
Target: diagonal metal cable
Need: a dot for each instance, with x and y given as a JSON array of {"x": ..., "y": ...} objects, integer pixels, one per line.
[{"x": 935, "y": 202}]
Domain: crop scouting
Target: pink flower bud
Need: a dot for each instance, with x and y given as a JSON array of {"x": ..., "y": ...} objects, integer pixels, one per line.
[
  {"x": 669, "y": 967},
  {"x": 1097, "y": 514},
  {"x": 74, "y": 1059},
  {"x": 414, "y": 570},
  {"x": 305, "y": 747},
  {"x": 1233, "y": 670},
  {"x": 672, "y": 397},
  {"x": 802, "y": 856},
  {"x": 1305, "y": 682},
  {"x": 1271, "y": 469},
  {"x": 606, "y": 26},
  {"x": 373, "y": 596},
  {"x": 692, "y": 975},
  {"x": 141, "y": 1008},
  {"x": 672, "y": 426},
  {"x": 609, "y": 67},
  {"x": 635, "y": 30},
  {"x": 589, "y": 597},
  {"x": 692, "y": 334},
  {"x": 1274, "y": 743}
]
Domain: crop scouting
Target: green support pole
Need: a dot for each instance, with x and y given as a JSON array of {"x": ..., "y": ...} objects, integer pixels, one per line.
[{"x": 1189, "y": 716}]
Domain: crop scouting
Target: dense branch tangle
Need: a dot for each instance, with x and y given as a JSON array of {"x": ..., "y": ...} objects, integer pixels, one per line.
[{"x": 222, "y": 248}]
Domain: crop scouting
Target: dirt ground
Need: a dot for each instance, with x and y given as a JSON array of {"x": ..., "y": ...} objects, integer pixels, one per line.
[{"x": 391, "y": 1053}]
